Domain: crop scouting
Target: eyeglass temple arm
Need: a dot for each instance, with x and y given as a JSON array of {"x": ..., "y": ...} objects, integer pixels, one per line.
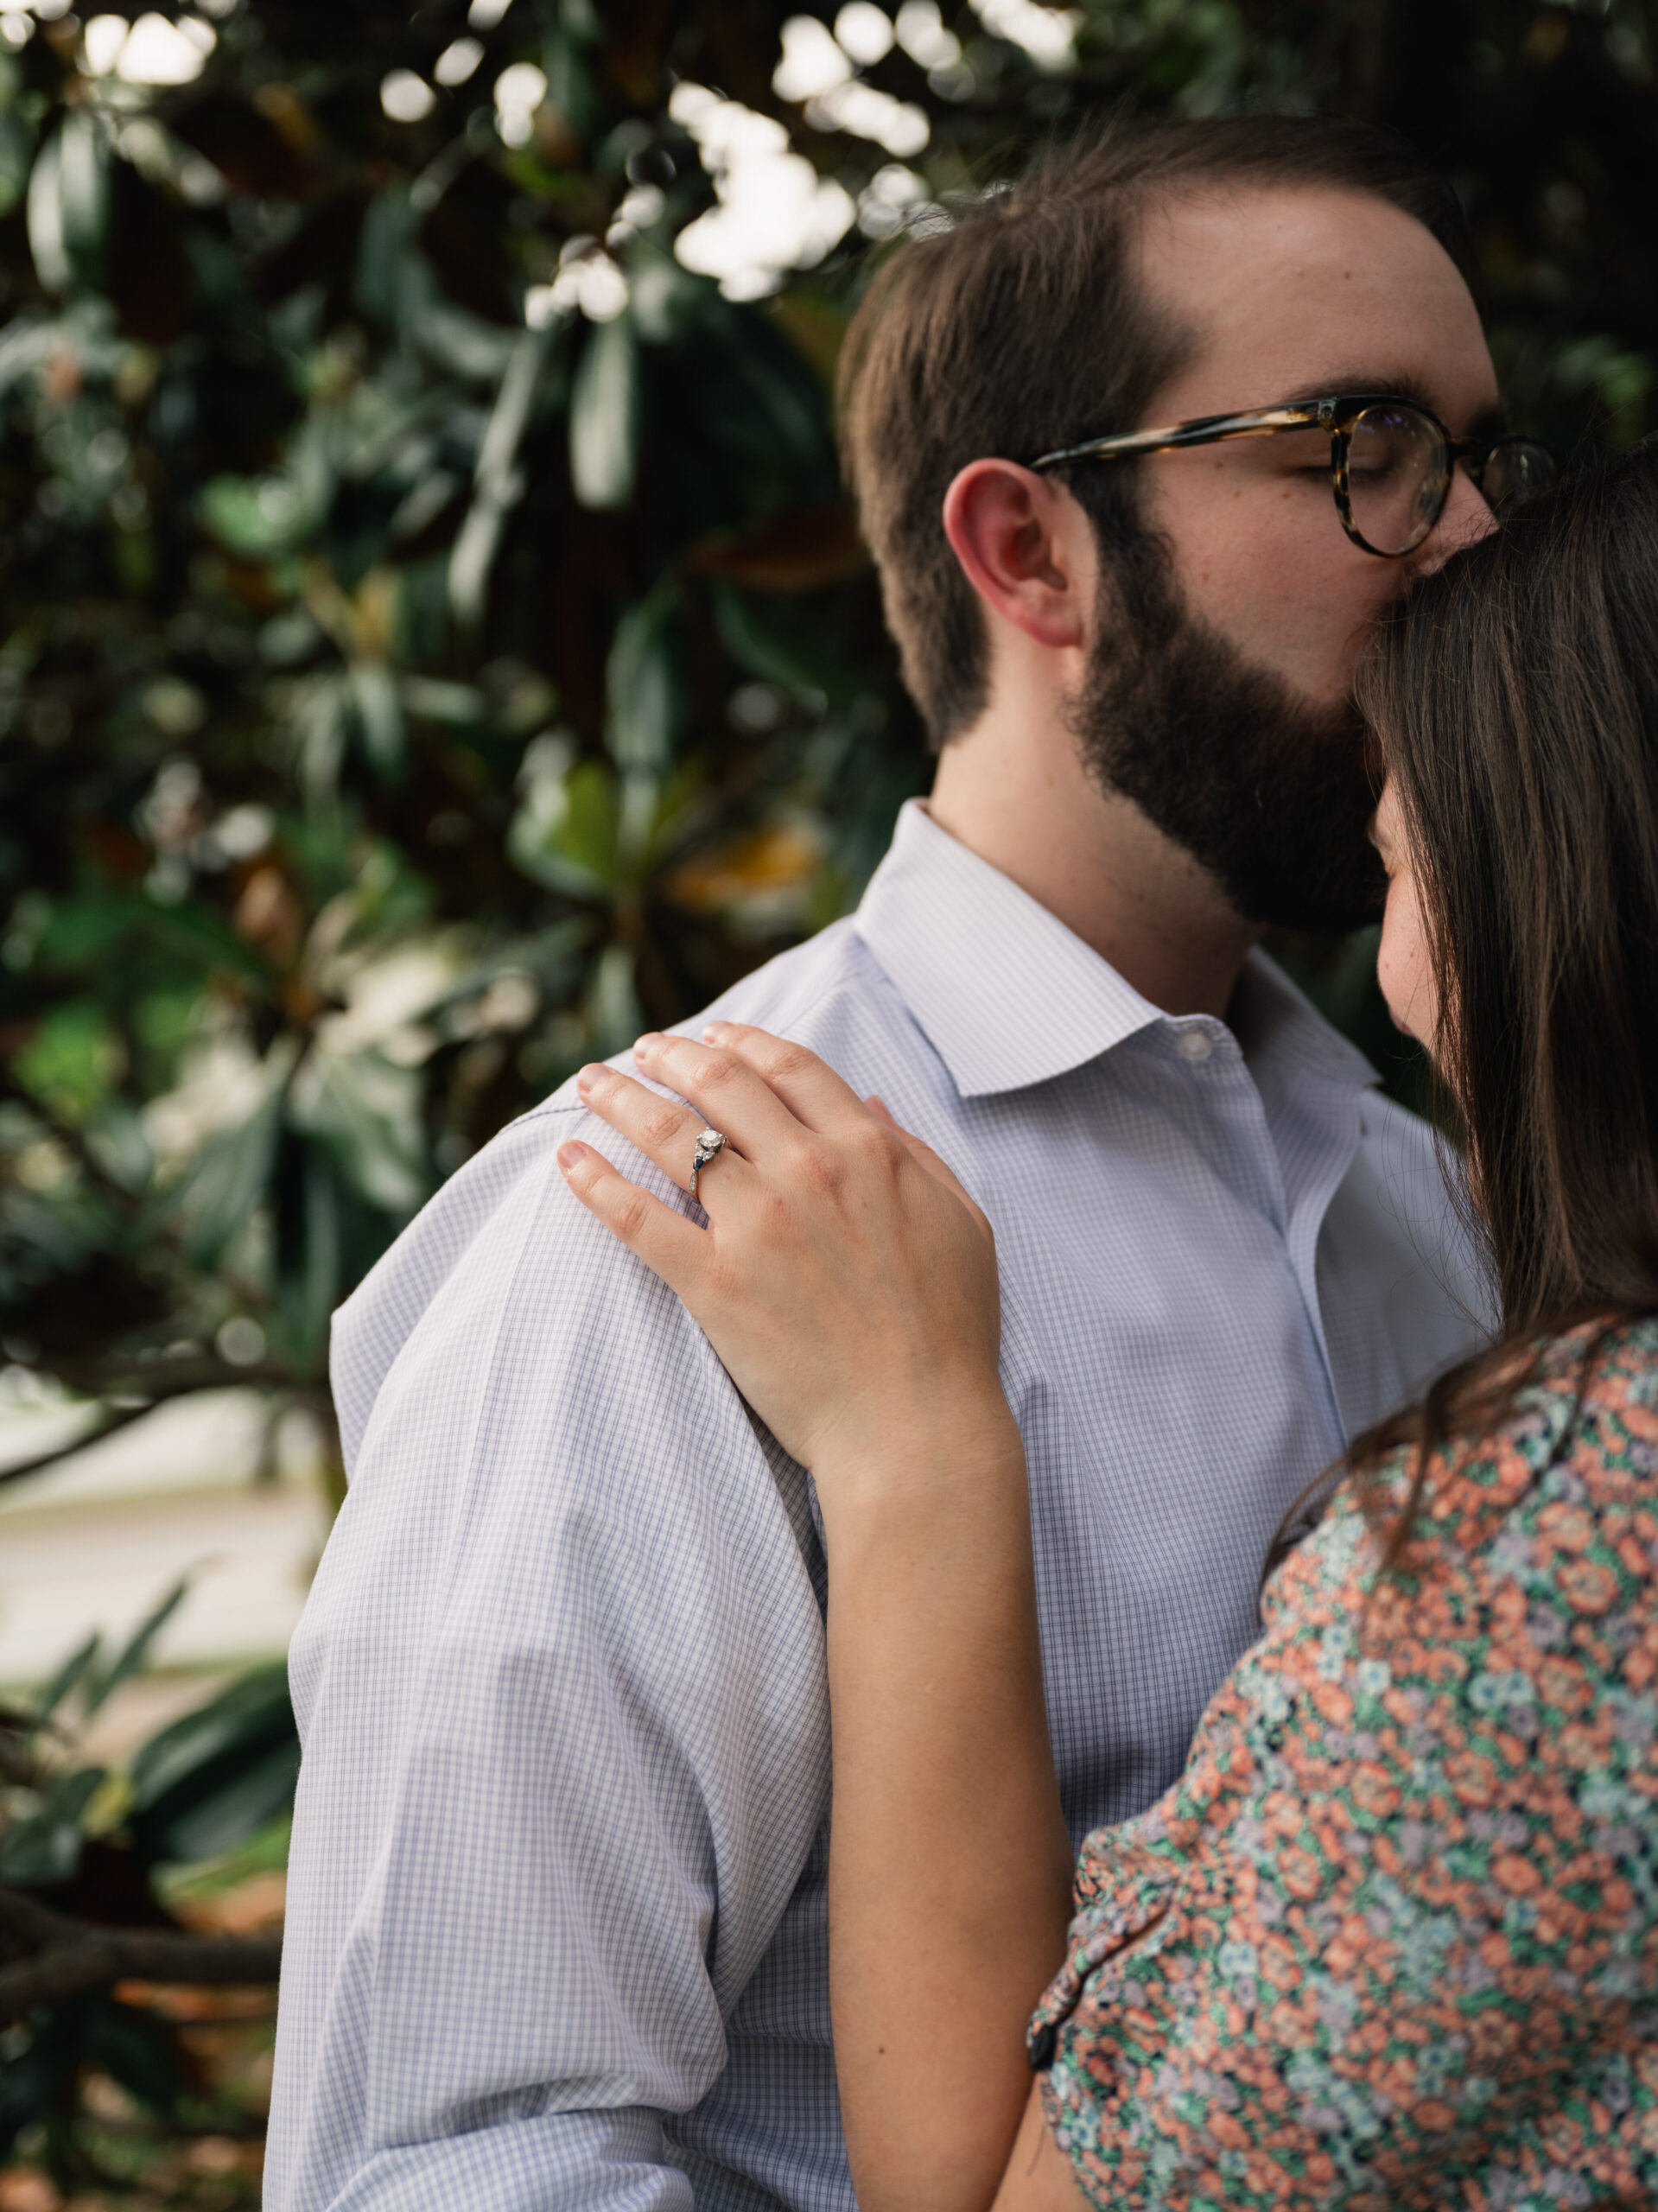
[{"x": 1205, "y": 430}]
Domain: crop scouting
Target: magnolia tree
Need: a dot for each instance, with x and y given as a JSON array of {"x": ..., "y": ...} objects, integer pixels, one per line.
[{"x": 434, "y": 643}]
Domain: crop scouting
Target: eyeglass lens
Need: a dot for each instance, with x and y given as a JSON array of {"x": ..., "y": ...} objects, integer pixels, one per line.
[
  {"x": 1515, "y": 470},
  {"x": 1398, "y": 471}
]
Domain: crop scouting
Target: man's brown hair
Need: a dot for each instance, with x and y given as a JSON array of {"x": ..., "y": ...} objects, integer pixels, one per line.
[{"x": 1019, "y": 328}]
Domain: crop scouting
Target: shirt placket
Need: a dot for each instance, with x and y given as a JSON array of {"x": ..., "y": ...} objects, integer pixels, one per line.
[{"x": 1224, "y": 1091}]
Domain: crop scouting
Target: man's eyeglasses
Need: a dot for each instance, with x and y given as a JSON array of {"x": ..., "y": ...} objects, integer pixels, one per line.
[{"x": 1390, "y": 461}]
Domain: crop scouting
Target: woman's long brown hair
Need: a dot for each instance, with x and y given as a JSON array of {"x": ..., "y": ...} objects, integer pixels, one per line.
[{"x": 1514, "y": 696}]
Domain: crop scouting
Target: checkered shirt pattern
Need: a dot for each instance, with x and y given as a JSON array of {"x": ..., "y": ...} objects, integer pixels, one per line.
[{"x": 556, "y": 1930}]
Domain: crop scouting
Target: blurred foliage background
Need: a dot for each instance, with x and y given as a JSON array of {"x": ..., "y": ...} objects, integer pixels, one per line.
[{"x": 433, "y": 641}]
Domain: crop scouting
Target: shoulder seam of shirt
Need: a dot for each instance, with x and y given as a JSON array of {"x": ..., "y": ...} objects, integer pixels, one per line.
[{"x": 792, "y": 1013}]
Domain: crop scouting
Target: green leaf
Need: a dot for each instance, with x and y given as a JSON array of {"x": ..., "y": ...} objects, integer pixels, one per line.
[
  {"x": 138, "y": 1646},
  {"x": 768, "y": 637},
  {"x": 210, "y": 1780},
  {"x": 45, "y": 1848},
  {"x": 72, "y": 1061},
  {"x": 565, "y": 834},
  {"x": 642, "y": 685},
  {"x": 614, "y": 1016},
  {"x": 366, "y": 1112},
  {"x": 665, "y": 297},
  {"x": 26, "y": 342},
  {"x": 68, "y": 1677},
  {"x": 395, "y": 284},
  {"x": 461, "y": 705},
  {"x": 261, "y": 517},
  {"x": 374, "y": 691},
  {"x": 552, "y": 957},
  {"x": 309, "y": 1262},
  {"x": 247, "y": 1795},
  {"x": 248, "y": 1717},
  {"x": 31, "y": 2079},
  {"x": 498, "y": 483},
  {"x": 68, "y": 203},
  {"x": 605, "y": 415},
  {"x": 321, "y": 717},
  {"x": 462, "y": 344},
  {"x": 230, "y": 1178},
  {"x": 137, "y": 2051}
]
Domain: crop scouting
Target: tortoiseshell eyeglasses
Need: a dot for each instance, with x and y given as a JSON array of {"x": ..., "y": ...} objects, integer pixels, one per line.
[{"x": 1390, "y": 461}]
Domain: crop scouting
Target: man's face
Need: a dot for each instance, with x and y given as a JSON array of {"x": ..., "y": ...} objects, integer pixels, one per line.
[{"x": 1219, "y": 696}]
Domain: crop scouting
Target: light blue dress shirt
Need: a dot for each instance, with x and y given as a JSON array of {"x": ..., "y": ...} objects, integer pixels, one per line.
[{"x": 556, "y": 1930}]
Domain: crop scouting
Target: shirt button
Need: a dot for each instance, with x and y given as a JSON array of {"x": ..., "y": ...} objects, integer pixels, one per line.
[{"x": 1193, "y": 1044}]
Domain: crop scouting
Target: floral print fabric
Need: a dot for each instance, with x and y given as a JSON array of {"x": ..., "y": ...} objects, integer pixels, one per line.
[{"x": 1391, "y": 1940}]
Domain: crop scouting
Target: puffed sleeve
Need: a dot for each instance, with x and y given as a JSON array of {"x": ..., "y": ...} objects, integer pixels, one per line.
[{"x": 1393, "y": 1938}]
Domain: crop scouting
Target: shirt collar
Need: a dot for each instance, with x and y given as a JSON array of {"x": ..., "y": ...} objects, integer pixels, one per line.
[{"x": 1008, "y": 996}]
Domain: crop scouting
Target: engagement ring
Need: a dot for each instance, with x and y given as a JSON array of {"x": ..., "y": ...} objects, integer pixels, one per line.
[{"x": 707, "y": 1144}]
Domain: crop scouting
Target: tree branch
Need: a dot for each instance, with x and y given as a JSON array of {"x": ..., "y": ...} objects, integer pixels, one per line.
[
  {"x": 156, "y": 1381},
  {"x": 71, "y": 1956},
  {"x": 115, "y": 1419}
]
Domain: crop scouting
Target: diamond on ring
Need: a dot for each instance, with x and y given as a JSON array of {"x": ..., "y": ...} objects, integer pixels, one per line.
[{"x": 707, "y": 1144}]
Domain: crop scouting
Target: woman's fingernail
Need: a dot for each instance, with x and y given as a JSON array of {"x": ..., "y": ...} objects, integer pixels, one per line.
[
  {"x": 586, "y": 1076},
  {"x": 571, "y": 1155},
  {"x": 644, "y": 1046},
  {"x": 712, "y": 1031}
]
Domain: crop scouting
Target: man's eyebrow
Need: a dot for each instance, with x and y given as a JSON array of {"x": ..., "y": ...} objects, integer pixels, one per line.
[
  {"x": 1491, "y": 420},
  {"x": 1395, "y": 384}
]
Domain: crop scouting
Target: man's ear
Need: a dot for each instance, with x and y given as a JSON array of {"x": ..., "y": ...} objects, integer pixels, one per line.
[{"x": 1023, "y": 543}]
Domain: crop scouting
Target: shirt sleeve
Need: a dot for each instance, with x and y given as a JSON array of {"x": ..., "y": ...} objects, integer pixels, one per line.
[
  {"x": 1395, "y": 1925},
  {"x": 559, "y": 1686}
]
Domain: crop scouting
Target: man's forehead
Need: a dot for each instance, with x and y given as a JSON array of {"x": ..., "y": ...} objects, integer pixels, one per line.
[
  {"x": 1314, "y": 290},
  {"x": 1279, "y": 222}
]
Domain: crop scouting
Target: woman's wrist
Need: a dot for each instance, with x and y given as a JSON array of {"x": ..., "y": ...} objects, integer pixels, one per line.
[{"x": 945, "y": 1452}]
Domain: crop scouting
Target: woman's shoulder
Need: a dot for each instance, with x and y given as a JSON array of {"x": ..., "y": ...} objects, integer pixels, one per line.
[
  {"x": 1579, "y": 1423},
  {"x": 1557, "y": 1491},
  {"x": 1607, "y": 1375},
  {"x": 1583, "y": 1422},
  {"x": 1570, "y": 1455}
]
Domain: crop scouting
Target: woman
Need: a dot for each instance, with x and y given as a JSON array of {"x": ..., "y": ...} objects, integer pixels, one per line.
[{"x": 1392, "y": 1940}]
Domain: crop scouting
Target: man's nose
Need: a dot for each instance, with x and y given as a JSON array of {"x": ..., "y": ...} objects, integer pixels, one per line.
[{"x": 1466, "y": 518}]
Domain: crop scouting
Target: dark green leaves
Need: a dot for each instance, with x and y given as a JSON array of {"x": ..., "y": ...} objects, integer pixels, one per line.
[
  {"x": 134, "y": 1655},
  {"x": 380, "y": 591},
  {"x": 44, "y": 1848},
  {"x": 644, "y": 685},
  {"x": 69, "y": 204},
  {"x": 205, "y": 1783}
]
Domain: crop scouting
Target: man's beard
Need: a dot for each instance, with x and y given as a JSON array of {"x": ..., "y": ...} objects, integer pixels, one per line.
[{"x": 1270, "y": 793}]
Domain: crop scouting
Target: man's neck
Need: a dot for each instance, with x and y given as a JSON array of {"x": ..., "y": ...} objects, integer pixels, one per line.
[{"x": 1026, "y": 804}]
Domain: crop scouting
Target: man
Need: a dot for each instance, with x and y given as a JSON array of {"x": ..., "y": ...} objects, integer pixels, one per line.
[{"x": 556, "y": 1930}]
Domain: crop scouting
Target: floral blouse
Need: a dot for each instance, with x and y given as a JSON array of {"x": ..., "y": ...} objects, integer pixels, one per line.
[{"x": 1392, "y": 1940}]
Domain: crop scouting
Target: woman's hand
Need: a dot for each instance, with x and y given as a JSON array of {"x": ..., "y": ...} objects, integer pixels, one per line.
[{"x": 846, "y": 1278}]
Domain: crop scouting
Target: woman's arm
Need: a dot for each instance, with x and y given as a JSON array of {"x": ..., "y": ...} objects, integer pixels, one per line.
[
  {"x": 950, "y": 1866},
  {"x": 850, "y": 1285}
]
